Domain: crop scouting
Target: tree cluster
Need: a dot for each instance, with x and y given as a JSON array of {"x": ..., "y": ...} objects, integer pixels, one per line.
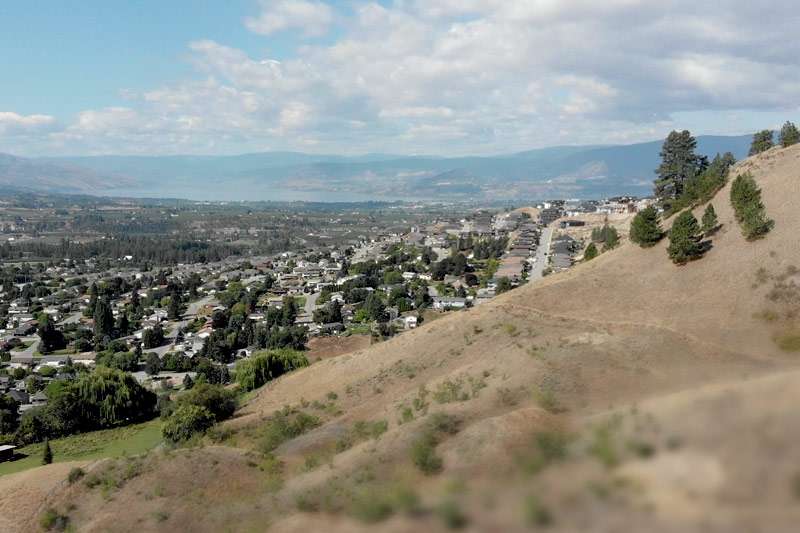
[{"x": 94, "y": 400}]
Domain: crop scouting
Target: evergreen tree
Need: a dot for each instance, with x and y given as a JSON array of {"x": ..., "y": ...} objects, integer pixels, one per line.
[
  {"x": 709, "y": 219},
  {"x": 684, "y": 239},
  {"x": 52, "y": 338},
  {"x": 153, "y": 364},
  {"x": 123, "y": 325},
  {"x": 153, "y": 337},
  {"x": 47, "y": 453},
  {"x": 611, "y": 239},
  {"x": 174, "y": 309},
  {"x": 679, "y": 164},
  {"x": 748, "y": 207},
  {"x": 103, "y": 319},
  {"x": 590, "y": 253},
  {"x": 646, "y": 228},
  {"x": 762, "y": 141},
  {"x": 89, "y": 311},
  {"x": 789, "y": 134}
]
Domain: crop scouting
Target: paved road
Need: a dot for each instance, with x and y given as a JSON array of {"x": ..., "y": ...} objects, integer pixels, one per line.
[
  {"x": 74, "y": 318},
  {"x": 193, "y": 308},
  {"x": 311, "y": 302},
  {"x": 541, "y": 255},
  {"x": 30, "y": 350}
]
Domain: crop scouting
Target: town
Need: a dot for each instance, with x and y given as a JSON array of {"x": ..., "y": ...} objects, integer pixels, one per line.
[{"x": 172, "y": 322}]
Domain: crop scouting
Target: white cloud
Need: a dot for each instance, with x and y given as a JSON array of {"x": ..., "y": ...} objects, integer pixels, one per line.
[
  {"x": 464, "y": 76},
  {"x": 13, "y": 123},
  {"x": 311, "y": 17}
]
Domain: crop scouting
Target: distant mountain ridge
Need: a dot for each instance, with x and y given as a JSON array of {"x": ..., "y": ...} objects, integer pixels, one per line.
[{"x": 586, "y": 171}]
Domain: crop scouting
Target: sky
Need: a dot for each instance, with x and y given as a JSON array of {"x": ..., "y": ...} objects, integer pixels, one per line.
[{"x": 447, "y": 77}]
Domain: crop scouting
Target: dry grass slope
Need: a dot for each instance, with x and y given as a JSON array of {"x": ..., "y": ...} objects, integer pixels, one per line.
[{"x": 625, "y": 395}]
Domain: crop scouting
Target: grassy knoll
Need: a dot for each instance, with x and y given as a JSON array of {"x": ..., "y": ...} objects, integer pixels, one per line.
[{"x": 129, "y": 440}]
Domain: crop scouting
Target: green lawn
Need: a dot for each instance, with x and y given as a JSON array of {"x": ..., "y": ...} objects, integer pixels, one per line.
[
  {"x": 129, "y": 440},
  {"x": 22, "y": 347}
]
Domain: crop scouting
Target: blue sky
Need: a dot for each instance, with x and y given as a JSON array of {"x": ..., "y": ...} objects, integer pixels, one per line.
[
  {"x": 91, "y": 49},
  {"x": 402, "y": 76}
]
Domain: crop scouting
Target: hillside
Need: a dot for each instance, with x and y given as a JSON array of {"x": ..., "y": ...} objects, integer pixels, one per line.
[
  {"x": 627, "y": 394},
  {"x": 22, "y": 174},
  {"x": 583, "y": 171}
]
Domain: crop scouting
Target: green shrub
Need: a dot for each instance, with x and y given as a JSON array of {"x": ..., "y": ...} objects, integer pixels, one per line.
[
  {"x": 52, "y": 520},
  {"x": 452, "y": 515},
  {"x": 262, "y": 367},
  {"x": 423, "y": 454},
  {"x": 548, "y": 447},
  {"x": 186, "y": 421},
  {"x": 423, "y": 449},
  {"x": 216, "y": 399},
  {"x": 75, "y": 475},
  {"x": 285, "y": 425},
  {"x": 536, "y": 514},
  {"x": 789, "y": 342},
  {"x": 590, "y": 252}
]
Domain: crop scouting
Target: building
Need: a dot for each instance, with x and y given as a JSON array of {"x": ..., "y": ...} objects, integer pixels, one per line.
[{"x": 443, "y": 303}]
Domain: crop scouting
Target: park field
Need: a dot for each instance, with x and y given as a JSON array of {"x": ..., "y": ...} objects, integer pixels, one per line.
[{"x": 117, "y": 442}]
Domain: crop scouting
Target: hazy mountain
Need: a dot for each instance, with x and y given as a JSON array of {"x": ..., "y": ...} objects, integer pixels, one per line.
[
  {"x": 556, "y": 171},
  {"x": 63, "y": 177}
]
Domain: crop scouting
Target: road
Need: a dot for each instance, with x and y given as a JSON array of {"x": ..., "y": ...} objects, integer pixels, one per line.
[
  {"x": 194, "y": 307},
  {"x": 541, "y": 255},
  {"x": 30, "y": 350},
  {"x": 311, "y": 303},
  {"x": 74, "y": 318}
]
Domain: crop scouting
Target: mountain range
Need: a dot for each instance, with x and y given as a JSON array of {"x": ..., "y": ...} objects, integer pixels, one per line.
[{"x": 565, "y": 171}]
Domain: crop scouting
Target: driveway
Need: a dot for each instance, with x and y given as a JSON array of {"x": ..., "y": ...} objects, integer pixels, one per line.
[
  {"x": 311, "y": 303},
  {"x": 193, "y": 308},
  {"x": 74, "y": 318},
  {"x": 30, "y": 350}
]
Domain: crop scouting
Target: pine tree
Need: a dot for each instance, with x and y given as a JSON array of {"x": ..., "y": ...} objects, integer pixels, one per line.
[
  {"x": 103, "y": 319},
  {"x": 762, "y": 141},
  {"x": 710, "y": 220},
  {"x": 47, "y": 453},
  {"x": 611, "y": 239},
  {"x": 646, "y": 228},
  {"x": 174, "y": 309},
  {"x": 789, "y": 134},
  {"x": 590, "y": 253},
  {"x": 684, "y": 239},
  {"x": 679, "y": 165},
  {"x": 748, "y": 207}
]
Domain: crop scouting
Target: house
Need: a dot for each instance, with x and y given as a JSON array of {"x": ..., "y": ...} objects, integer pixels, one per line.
[
  {"x": 27, "y": 328},
  {"x": 549, "y": 215},
  {"x": 39, "y": 398},
  {"x": 443, "y": 303},
  {"x": 410, "y": 321},
  {"x": 20, "y": 396}
]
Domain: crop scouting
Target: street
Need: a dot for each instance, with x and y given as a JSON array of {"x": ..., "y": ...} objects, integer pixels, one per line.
[{"x": 541, "y": 255}]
